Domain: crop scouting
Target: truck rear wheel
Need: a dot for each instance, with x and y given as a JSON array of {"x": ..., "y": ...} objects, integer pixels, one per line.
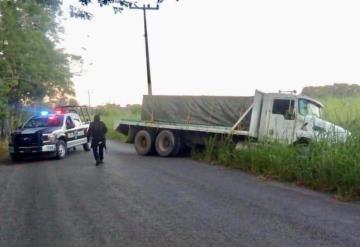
[
  {"x": 144, "y": 142},
  {"x": 166, "y": 143}
]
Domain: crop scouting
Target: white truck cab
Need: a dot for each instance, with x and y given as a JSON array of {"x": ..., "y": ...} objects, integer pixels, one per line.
[{"x": 290, "y": 118}]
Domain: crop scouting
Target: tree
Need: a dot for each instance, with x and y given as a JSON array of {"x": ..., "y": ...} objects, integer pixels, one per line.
[
  {"x": 118, "y": 7},
  {"x": 31, "y": 67}
]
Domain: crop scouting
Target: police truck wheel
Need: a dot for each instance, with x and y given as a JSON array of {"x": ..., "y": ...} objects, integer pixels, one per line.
[
  {"x": 165, "y": 143},
  {"x": 144, "y": 142},
  {"x": 86, "y": 147},
  {"x": 61, "y": 149}
]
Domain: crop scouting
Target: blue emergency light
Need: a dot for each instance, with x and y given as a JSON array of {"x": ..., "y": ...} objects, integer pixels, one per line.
[{"x": 44, "y": 113}]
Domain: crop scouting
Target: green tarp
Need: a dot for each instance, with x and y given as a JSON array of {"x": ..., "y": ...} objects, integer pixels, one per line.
[{"x": 197, "y": 110}]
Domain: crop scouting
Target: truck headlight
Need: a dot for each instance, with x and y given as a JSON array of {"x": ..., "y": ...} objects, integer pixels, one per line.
[{"x": 48, "y": 138}]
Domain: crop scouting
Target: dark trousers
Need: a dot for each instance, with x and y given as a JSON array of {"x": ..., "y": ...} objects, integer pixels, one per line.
[{"x": 98, "y": 151}]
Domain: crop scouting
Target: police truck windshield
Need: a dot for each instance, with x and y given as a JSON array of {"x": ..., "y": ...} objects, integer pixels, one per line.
[{"x": 46, "y": 121}]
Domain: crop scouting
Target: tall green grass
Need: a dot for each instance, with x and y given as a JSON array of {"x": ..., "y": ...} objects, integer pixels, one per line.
[
  {"x": 343, "y": 111},
  {"x": 324, "y": 165},
  {"x": 3, "y": 150},
  {"x": 110, "y": 114}
]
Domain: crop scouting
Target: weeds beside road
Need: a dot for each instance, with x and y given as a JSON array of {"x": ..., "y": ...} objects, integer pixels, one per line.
[
  {"x": 332, "y": 168},
  {"x": 3, "y": 150},
  {"x": 111, "y": 114}
]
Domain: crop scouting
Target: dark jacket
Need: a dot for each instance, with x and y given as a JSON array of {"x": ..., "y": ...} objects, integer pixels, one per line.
[{"x": 97, "y": 131}]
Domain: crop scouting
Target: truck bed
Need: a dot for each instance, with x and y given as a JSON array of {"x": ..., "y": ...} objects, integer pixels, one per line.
[{"x": 122, "y": 126}]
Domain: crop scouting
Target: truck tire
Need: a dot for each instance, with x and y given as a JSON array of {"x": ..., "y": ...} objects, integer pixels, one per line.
[
  {"x": 86, "y": 147},
  {"x": 144, "y": 143},
  {"x": 165, "y": 143},
  {"x": 61, "y": 150}
]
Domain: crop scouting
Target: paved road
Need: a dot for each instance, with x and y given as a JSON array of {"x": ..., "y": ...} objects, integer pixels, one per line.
[{"x": 152, "y": 201}]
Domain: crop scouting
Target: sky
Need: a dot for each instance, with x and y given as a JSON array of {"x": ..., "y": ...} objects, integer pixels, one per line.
[{"x": 208, "y": 47}]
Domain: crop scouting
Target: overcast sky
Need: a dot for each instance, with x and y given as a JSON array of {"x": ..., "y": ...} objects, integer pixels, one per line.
[{"x": 208, "y": 47}]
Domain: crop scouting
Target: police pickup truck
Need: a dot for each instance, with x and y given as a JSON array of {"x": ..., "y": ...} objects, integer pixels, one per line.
[{"x": 51, "y": 133}]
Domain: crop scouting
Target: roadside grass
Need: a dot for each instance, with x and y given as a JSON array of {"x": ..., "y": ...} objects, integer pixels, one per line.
[
  {"x": 343, "y": 111},
  {"x": 111, "y": 114},
  {"x": 3, "y": 150},
  {"x": 324, "y": 165}
]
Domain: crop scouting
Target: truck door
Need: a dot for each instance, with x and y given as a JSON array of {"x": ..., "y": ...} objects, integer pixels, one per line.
[
  {"x": 71, "y": 133},
  {"x": 281, "y": 120},
  {"x": 81, "y": 129}
]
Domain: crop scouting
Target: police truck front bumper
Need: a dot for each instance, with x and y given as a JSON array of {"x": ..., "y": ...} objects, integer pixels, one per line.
[{"x": 32, "y": 150}]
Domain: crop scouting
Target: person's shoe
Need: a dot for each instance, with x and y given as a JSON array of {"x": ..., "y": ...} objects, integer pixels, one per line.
[
  {"x": 101, "y": 162},
  {"x": 97, "y": 163}
]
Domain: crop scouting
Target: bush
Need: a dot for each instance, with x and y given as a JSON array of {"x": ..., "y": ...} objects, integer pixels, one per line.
[
  {"x": 3, "y": 150},
  {"x": 329, "y": 167}
]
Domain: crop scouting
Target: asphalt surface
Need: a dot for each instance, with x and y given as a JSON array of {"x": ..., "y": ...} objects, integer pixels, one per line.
[{"x": 152, "y": 201}]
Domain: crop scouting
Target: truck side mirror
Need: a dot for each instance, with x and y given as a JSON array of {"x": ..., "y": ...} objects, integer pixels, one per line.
[{"x": 19, "y": 127}]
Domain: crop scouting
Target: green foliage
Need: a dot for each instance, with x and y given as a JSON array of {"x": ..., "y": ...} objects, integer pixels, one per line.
[
  {"x": 209, "y": 151},
  {"x": 336, "y": 90},
  {"x": 333, "y": 168},
  {"x": 3, "y": 150},
  {"x": 111, "y": 113},
  {"x": 118, "y": 6},
  {"x": 31, "y": 67},
  {"x": 344, "y": 111},
  {"x": 29, "y": 57}
]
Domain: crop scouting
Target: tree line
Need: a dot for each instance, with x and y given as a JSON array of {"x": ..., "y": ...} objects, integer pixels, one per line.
[
  {"x": 338, "y": 90},
  {"x": 31, "y": 66}
]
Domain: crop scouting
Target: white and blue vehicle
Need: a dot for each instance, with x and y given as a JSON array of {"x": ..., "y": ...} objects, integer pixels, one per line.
[{"x": 51, "y": 133}]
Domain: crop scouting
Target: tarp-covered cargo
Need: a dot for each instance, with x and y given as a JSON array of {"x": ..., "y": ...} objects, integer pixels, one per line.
[{"x": 197, "y": 110}]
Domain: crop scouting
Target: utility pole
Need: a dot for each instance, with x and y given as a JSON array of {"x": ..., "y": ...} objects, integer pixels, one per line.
[
  {"x": 144, "y": 8},
  {"x": 89, "y": 98}
]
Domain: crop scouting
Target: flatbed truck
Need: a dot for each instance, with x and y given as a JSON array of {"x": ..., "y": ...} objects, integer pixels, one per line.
[{"x": 171, "y": 123}]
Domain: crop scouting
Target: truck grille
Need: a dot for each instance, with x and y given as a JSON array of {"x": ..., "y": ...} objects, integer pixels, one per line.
[{"x": 26, "y": 140}]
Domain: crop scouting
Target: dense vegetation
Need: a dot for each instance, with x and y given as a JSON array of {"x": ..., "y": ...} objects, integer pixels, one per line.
[
  {"x": 31, "y": 67},
  {"x": 110, "y": 114},
  {"x": 330, "y": 91}
]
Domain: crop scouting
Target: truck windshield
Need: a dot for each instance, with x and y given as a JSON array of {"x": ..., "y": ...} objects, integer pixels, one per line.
[
  {"x": 48, "y": 121},
  {"x": 307, "y": 107}
]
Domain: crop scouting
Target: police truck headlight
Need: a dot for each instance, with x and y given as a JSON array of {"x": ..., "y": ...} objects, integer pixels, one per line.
[{"x": 48, "y": 138}]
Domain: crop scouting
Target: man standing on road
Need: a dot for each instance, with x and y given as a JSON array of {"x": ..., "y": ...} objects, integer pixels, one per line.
[{"x": 97, "y": 131}]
